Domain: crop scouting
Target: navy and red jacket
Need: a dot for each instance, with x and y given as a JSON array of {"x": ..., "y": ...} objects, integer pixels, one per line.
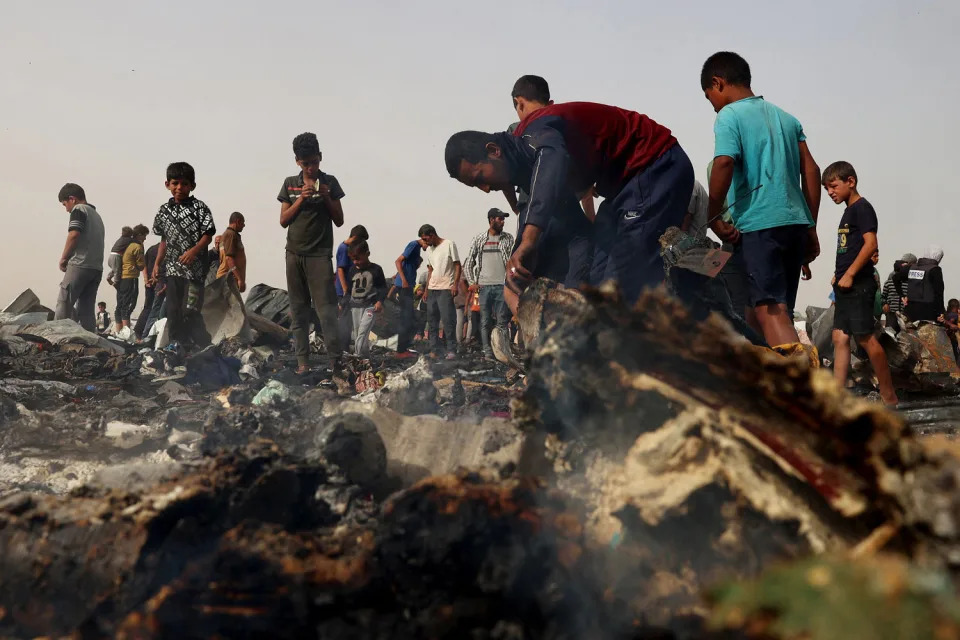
[{"x": 567, "y": 148}]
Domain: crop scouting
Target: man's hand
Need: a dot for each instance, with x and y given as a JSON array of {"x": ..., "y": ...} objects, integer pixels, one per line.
[
  {"x": 845, "y": 282},
  {"x": 156, "y": 272},
  {"x": 519, "y": 275},
  {"x": 813, "y": 246},
  {"x": 404, "y": 285},
  {"x": 453, "y": 289},
  {"x": 425, "y": 292},
  {"x": 473, "y": 288},
  {"x": 377, "y": 308},
  {"x": 63, "y": 264},
  {"x": 886, "y": 308},
  {"x": 805, "y": 272},
  {"x": 188, "y": 256},
  {"x": 833, "y": 281}
]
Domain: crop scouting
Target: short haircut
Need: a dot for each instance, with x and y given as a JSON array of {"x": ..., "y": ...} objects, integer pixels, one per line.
[
  {"x": 727, "y": 65},
  {"x": 533, "y": 88},
  {"x": 236, "y": 216},
  {"x": 306, "y": 146},
  {"x": 426, "y": 230},
  {"x": 466, "y": 145},
  {"x": 358, "y": 248},
  {"x": 181, "y": 171},
  {"x": 359, "y": 231},
  {"x": 141, "y": 230},
  {"x": 71, "y": 190},
  {"x": 126, "y": 232},
  {"x": 953, "y": 303},
  {"x": 840, "y": 170},
  {"x": 101, "y": 304}
]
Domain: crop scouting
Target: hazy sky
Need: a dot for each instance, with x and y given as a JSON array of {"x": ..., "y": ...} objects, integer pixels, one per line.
[{"x": 107, "y": 93}]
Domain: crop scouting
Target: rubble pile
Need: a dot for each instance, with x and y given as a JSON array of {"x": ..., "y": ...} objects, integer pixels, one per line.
[{"x": 644, "y": 459}]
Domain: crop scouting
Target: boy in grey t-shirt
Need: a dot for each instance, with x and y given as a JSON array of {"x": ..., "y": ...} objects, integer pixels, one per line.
[{"x": 82, "y": 258}]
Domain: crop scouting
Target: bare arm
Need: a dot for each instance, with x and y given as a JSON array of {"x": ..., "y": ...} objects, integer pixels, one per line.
[
  {"x": 69, "y": 247},
  {"x": 342, "y": 276},
  {"x": 426, "y": 287},
  {"x": 336, "y": 210},
  {"x": 511, "y": 197},
  {"x": 863, "y": 258},
  {"x": 289, "y": 212},
  {"x": 720, "y": 179},
  {"x": 471, "y": 258},
  {"x": 457, "y": 273},
  {"x": 810, "y": 180}
]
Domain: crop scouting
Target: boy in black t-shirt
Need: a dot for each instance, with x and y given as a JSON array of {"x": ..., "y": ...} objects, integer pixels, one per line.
[
  {"x": 366, "y": 293},
  {"x": 853, "y": 283}
]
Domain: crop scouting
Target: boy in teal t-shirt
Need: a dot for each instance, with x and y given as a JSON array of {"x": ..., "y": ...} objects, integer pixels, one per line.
[{"x": 763, "y": 166}]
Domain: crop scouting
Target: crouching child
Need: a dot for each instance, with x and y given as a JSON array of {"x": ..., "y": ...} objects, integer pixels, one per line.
[
  {"x": 368, "y": 289},
  {"x": 853, "y": 283}
]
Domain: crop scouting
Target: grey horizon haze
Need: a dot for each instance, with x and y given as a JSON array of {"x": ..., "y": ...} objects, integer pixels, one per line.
[{"x": 107, "y": 93}]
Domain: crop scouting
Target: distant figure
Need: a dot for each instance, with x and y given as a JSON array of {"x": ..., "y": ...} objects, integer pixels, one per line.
[
  {"x": 233, "y": 257},
  {"x": 342, "y": 283},
  {"x": 185, "y": 226},
  {"x": 115, "y": 259},
  {"x": 81, "y": 260},
  {"x": 951, "y": 320},
  {"x": 853, "y": 282},
  {"x": 367, "y": 291},
  {"x": 406, "y": 280},
  {"x": 763, "y": 167},
  {"x": 925, "y": 287},
  {"x": 149, "y": 291},
  {"x": 103, "y": 318},
  {"x": 128, "y": 284},
  {"x": 895, "y": 291},
  {"x": 485, "y": 270},
  {"x": 444, "y": 272},
  {"x": 309, "y": 207}
]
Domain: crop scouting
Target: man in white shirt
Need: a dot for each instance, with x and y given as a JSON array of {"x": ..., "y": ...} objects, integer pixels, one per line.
[{"x": 444, "y": 271}]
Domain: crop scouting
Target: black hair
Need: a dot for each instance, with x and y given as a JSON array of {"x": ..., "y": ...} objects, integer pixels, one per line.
[
  {"x": 181, "y": 171},
  {"x": 306, "y": 146},
  {"x": 533, "y": 88},
  {"x": 102, "y": 304},
  {"x": 840, "y": 170},
  {"x": 727, "y": 65},
  {"x": 236, "y": 216},
  {"x": 358, "y": 248},
  {"x": 71, "y": 190},
  {"x": 359, "y": 231},
  {"x": 141, "y": 230},
  {"x": 126, "y": 232},
  {"x": 466, "y": 145},
  {"x": 953, "y": 303},
  {"x": 426, "y": 230}
]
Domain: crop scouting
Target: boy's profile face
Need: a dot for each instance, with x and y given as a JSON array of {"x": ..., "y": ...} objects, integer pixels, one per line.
[
  {"x": 180, "y": 189},
  {"x": 428, "y": 240},
  {"x": 715, "y": 94},
  {"x": 840, "y": 190},
  {"x": 360, "y": 260},
  {"x": 525, "y": 107},
  {"x": 69, "y": 203},
  {"x": 310, "y": 166}
]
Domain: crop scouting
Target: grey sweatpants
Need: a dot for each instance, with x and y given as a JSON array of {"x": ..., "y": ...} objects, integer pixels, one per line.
[
  {"x": 78, "y": 296},
  {"x": 440, "y": 310},
  {"x": 362, "y": 324},
  {"x": 310, "y": 279}
]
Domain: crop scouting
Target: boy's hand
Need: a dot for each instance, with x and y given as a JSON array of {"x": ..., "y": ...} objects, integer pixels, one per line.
[
  {"x": 813, "y": 245},
  {"x": 377, "y": 308},
  {"x": 188, "y": 256},
  {"x": 726, "y": 231},
  {"x": 323, "y": 191},
  {"x": 805, "y": 272},
  {"x": 846, "y": 281},
  {"x": 308, "y": 191}
]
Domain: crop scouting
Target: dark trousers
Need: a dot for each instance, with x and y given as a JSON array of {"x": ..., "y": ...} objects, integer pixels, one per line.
[
  {"x": 405, "y": 332},
  {"x": 309, "y": 285},
  {"x": 493, "y": 310},
  {"x": 145, "y": 312},
  {"x": 344, "y": 322},
  {"x": 629, "y": 225},
  {"x": 127, "y": 293},
  {"x": 185, "y": 325},
  {"x": 440, "y": 309},
  {"x": 157, "y": 311}
]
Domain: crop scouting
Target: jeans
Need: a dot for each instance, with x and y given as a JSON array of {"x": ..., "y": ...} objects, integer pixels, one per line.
[
  {"x": 440, "y": 309},
  {"x": 310, "y": 278},
  {"x": 406, "y": 330},
  {"x": 78, "y": 296},
  {"x": 363, "y": 318},
  {"x": 140, "y": 328},
  {"x": 493, "y": 310},
  {"x": 157, "y": 311}
]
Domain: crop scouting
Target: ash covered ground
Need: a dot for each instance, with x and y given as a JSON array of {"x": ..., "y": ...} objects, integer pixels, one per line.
[{"x": 641, "y": 479}]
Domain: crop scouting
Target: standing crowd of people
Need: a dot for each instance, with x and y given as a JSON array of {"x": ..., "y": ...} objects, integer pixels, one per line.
[{"x": 762, "y": 201}]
